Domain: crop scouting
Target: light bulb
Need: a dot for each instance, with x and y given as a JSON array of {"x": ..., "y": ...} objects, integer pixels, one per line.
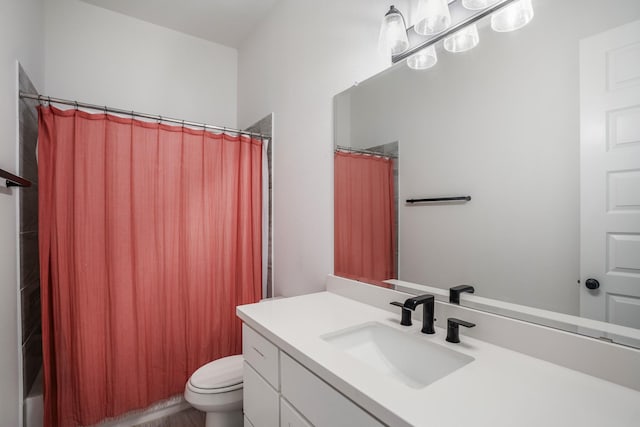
[
  {"x": 513, "y": 17},
  {"x": 465, "y": 39},
  {"x": 423, "y": 59},
  {"x": 478, "y": 4},
  {"x": 433, "y": 17},
  {"x": 393, "y": 33}
]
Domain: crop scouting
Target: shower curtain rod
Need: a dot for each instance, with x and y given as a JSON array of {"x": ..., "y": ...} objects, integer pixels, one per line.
[
  {"x": 49, "y": 99},
  {"x": 361, "y": 151}
]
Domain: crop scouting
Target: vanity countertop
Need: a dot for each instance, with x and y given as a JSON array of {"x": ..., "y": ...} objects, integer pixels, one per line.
[{"x": 499, "y": 388}]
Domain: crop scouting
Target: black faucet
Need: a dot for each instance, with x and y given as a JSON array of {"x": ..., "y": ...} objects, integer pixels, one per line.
[
  {"x": 453, "y": 330},
  {"x": 454, "y": 293},
  {"x": 427, "y": 315}
]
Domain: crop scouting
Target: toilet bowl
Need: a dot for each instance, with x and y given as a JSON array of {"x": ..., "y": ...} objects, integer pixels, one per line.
[{"x": 216, "y": 388}]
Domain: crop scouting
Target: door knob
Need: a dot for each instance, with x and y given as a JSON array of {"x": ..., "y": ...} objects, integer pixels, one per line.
[{"x": 592, "y": 284}]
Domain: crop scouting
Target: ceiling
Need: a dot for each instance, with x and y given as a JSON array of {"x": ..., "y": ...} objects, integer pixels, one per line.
[{"x": 226, "y": 22}]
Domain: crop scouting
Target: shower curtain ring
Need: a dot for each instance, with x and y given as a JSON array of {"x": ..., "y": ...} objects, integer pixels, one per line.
[
  {"x": 159, "y": 119},
  {"x": 183, "y": 124},
  {"x": 105, "y": 109},
  {"x": 49, "y": 101},
  {"x": 76, "y": 104}
]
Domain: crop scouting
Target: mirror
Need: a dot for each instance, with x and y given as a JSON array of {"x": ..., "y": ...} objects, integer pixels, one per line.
[{"x": 541, "y": 127}]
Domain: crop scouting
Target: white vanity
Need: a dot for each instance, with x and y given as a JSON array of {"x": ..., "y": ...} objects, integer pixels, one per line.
[
  {"x": 325, "y": 359},
  {"x": 278, "y": 390}
]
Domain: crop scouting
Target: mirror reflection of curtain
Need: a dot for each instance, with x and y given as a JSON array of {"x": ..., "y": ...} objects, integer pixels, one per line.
[{"x": 364, "y": 217}]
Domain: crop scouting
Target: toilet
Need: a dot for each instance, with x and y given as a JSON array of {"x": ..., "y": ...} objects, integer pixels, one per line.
[{"x": 216, "y": 388}]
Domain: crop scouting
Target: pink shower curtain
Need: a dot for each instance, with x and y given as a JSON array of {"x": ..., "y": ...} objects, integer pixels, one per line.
[
  {"x": 150, "y": 236},
  {"x": 364, "y": 217}
]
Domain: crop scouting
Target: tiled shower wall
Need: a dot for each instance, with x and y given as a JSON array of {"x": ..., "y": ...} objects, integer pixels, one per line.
[
  {"x": 29, "y": 261},
  {"x": 265, "y": 127}
]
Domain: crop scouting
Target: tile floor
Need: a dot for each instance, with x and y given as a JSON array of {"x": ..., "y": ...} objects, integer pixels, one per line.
[{"x": 186, "y": 418}]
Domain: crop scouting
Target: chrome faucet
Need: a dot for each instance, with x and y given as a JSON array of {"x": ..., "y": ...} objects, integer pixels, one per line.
[{"x": 427, "y": 314}]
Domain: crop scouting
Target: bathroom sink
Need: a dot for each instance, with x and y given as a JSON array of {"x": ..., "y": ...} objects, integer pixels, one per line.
[{"x": 408, "y": 358}]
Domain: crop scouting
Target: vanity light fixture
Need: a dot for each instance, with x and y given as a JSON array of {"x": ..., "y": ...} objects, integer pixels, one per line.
[
  {"x": 478, "y": 4},
  {"x": 513, "y": 17},
  {"x": 423, "y": 59},
  {"x": 460, "y": 41},
  {"x": 433, "y": 17},
  {"x": 452, "y": 21},
  {"x": 393, "y": 38}
]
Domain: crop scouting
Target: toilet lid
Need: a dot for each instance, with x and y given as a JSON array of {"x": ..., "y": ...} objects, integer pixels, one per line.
[{"x": 221, "y": 373}]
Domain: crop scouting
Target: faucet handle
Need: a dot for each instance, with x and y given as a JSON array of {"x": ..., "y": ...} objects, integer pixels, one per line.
[
  {"x": 406, "y": 313},
  {"x": 453, "y": 330},
  {"x": 454, "y": 293}
]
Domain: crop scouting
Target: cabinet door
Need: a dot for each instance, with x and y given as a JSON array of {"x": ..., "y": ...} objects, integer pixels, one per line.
[
  {"x": 289, "y": 417},
  {"x": 261, "y": 402},
  {"x": 261, "y": 354},
  {"x": 317, "y": 401}
]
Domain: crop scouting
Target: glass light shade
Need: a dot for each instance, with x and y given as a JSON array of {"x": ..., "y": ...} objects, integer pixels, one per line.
[
  {"x": 393, "y": 34},
  {"x": 465, "y": 39},
  {"x": 433, "y": 17},
  {"x": 512, "y": 17},
  {"x": 478, "y": 4},
  {"x": 423, "y": 59}
]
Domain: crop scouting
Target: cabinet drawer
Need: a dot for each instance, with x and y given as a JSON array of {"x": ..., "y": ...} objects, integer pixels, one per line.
[
  {"x": 289, "y": 417},
  {"x": 317, "y": 401},
  {"x": 260, "y": 401},
  {"x": 261, "y": 355}
]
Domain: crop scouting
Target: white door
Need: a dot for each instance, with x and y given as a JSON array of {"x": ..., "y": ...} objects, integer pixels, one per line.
[{"x": 610, "y": 175}]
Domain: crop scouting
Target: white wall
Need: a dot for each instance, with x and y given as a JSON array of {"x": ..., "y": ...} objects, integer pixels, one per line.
[
  {"x": 293, "y": 64},
  {"x": 21, "y": 39},
  {"x": 304, "y": 53},
  {"x": 97, "y": 56},
  {"x": 103, "y": 57}
]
